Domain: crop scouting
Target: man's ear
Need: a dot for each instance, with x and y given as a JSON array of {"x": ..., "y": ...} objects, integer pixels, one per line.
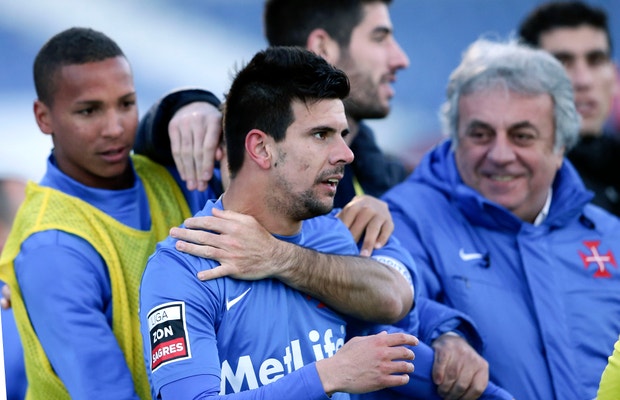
[
  {"x": 321, "y": 43},
  {"x": 258, "y": 148},
  {"x": 42, "y": 115}
]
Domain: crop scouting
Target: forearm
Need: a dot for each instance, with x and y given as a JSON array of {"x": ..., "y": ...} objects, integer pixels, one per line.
[{"x": 359, "y": 287}]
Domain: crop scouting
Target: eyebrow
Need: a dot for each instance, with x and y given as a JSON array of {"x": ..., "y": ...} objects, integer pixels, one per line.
[
  {"x": 326, "y": 128},
  {"x": 96, "y": 102},
  {"x": 476, "y": 123},
  {"x": 567, "y": 55},
  {"x": 382, "y": 30},
  {"x": 523, "y": 124},
  {"x": 481, "y": 124}
]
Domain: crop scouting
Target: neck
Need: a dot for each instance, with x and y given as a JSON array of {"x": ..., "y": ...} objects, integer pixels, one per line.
[{"x": 252, "y": 197}]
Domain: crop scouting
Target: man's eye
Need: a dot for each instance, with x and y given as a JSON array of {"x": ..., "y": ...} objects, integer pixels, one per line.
[
  {"x": 477, "y": 134},
  {"x": 598, "y": 58},
  {"x": 523, "y": 138},
  {"x": 129, "y": 103}
]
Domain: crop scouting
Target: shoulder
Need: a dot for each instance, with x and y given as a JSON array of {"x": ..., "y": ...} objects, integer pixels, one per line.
[
  {"x": 416, "y": 201},
  {"x": 328, "y": 234},
  {"x": 601, "y": 220}
]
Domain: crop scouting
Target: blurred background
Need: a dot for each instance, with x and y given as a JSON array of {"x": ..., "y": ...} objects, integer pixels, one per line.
[{"x": 183, "y": 43}]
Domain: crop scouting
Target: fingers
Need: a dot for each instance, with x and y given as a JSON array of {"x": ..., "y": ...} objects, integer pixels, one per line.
[
  {"x": 219, "y": 221},
  {"x": 377, "y": 233},
  {"x": 210, "y": 150},
  {"x": 454, "y": 384},
  {"x": 195, "y": 132},
  {"x": 458, "y": 371},
  {"x": 5, "y": 304},
  {"x": 5, "y": 301},
  {"x": 182, "y": 144},
  {"x": 438, "y": 371},
  {"x": 401, "y": 339},
  {"x": 476, "y": 389},
  {"x": 369, "y": 217},
  {"x": 213, "y": 273},
  {"x": 196, "y": 236}
]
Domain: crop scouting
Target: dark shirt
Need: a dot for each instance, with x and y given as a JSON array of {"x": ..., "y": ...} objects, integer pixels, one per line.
[
  {"x": 597, "y": 159},
  {"x": 375, "y": 171}
]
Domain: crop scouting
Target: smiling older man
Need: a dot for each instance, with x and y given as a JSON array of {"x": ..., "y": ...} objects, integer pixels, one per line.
[{"x": 500, "y": 225}]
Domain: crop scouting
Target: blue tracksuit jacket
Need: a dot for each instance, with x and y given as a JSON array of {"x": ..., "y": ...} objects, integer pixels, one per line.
[{"x": 545, "y": 299}]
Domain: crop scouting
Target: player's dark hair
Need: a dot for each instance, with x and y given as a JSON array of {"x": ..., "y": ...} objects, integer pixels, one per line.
[
  {"x": 72, "y": 46},
  {"x": 262, "y": 94},
  {"x": 289, "y": 23},
  {"x": 561, "y": 14}
]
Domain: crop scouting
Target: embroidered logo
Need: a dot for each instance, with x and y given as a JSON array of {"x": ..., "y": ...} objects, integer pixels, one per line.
[
  {"x": 469, "y": 256},
  {"x": 598, "y": 259},
  {"x": 230, "y": 303}
]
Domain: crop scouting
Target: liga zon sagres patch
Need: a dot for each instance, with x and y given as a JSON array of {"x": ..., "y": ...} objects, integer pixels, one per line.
[{"x": 168, "y": 334}]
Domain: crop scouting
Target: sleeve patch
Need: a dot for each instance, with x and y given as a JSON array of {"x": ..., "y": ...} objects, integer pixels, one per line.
[
  {"x": 397, "y": 265},
  {"x": 168, "y": 334}
]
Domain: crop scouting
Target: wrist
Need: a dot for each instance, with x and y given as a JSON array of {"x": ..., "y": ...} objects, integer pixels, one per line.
[{"x": 327, "y": 376}]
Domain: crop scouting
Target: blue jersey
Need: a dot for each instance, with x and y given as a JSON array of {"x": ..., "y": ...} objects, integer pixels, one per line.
[{"x": 255, "y": 339}]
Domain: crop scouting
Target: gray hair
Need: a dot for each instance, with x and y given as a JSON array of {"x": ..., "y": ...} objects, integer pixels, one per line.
[{"x": 519, "y": 68}]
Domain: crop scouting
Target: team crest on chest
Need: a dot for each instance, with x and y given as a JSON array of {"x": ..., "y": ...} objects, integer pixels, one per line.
[{"x": 597, "y": 260}]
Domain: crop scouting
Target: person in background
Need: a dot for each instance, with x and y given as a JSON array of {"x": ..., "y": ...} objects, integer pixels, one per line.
[
  {"x": 500, "y": 225},
  {"x": 11, "y": 196},
  {"x": 578, "y": 35}
]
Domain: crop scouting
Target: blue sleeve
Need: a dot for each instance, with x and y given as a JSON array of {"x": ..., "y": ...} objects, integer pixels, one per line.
[
  {"x": 396, "y": 256},
  {"x": 302, "y": 384},
  {"x": 66, "y": 291},
  {"x": 437, "y": 319},
  {"x": 170, "y": 287},
  {"x": 407, "y": 233}
]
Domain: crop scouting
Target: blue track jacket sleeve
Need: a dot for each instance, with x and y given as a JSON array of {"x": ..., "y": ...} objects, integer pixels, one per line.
[
  {"x": 439, "y": 319},
  {"x": 73, "y": 320}
]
